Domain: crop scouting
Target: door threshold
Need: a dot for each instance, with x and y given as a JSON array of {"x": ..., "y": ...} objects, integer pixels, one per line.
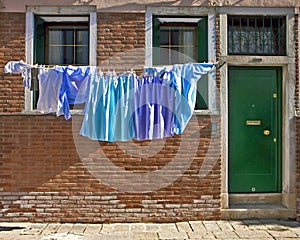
[
  {"x": 257, "y": 206},
  {"x": 255, "y": 198},
  {"x": 258, "y": 211}
]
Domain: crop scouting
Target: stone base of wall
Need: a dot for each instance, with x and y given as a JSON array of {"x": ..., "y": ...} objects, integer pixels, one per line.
[{"x": 297, "y": 149}]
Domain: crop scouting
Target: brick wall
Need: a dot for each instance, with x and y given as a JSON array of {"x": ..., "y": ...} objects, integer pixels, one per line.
[
  {"x": 43, "y": 178},
  {"x": 12, "y": 47},
  {"x": 121, "y": 40},
  {"x": 48, "y": 172}
]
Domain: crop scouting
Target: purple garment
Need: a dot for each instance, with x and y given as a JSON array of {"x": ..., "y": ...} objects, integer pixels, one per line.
[{"x": 153, "y": 108}]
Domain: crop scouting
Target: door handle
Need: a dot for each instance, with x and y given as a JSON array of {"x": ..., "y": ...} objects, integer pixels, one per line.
[{"x": 266, "y": 132}]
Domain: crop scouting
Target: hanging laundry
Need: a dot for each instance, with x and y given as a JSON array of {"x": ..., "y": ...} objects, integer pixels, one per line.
[
  {"x": 156, "y": 105},
  {"x": 183, "y": 79},
  {"x": 153, "y": 108},
  {"x": 17, "y": 67},
  {"x": 49, "y": 89},
  {"x": 187, "y": 76},
  {"x": 121, "y": 107},
  {"x": 108, "y": 110},
  {"x": 74, "y": 88},
  {"x": 121, "y": 126}
]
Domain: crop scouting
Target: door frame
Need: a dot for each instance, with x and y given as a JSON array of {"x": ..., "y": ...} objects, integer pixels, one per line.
[
  {"x": 288, "y": 194},
  {"x": 278, "y": 160}
]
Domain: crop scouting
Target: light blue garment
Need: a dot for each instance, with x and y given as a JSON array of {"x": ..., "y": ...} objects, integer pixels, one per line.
[
  {"x": 187, "y": 76},
  {"x": 108, "y": 110},
  {"x": 17, "y": 67},
  {"x": 49, "y": 89},
  {"x": 121, "y": 123},
  {"x": 95, "y": 118}
]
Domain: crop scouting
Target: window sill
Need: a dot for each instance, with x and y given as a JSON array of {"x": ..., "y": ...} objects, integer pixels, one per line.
[
  {"x": 38, "y": 113},
  {"x": 206, "y": 112},
  {"x": 80, "y": 113}
]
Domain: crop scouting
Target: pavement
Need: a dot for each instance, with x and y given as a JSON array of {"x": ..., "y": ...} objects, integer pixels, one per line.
[{"x": 237, "y": 229}]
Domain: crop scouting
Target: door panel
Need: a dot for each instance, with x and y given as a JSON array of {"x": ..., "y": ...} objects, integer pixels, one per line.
[{"x": 254, "y": 129}]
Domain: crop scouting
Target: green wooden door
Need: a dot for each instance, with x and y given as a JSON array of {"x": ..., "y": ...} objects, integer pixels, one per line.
[{"x": 254, "y": 129}]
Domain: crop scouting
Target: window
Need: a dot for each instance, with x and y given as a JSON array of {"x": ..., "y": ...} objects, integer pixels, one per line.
[
  {"x": 62, "y": 40},
  {"x": 178, "y": 40},
  {"x": 256, "y": 35},
  {"x": 62, "y": 35},
  {"x": 185, "y": 37},
  {"x": 67, "y": 44}
]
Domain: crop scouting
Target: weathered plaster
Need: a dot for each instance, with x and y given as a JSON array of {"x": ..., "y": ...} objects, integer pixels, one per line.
[{"x": 139, "y": 6}]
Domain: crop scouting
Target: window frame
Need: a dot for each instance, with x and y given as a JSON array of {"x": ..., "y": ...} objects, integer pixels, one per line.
[
  {"x": 59, "y": 11},
  {"x": 188, "y": 12},
  {"x": 201, "y": 26}
]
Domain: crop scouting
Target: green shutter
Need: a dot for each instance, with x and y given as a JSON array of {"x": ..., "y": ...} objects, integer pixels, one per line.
[
  {"x": 39, "y": 54},
  {"x": 39, "y": 40},
  {"x": 156, "y": 41},
  {"x": 202, "y": 85},
  {"x": 202, "y": 93},
  {"x": 202, "y": 40}
]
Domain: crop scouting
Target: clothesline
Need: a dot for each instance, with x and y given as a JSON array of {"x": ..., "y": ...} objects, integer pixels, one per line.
[
  {"x": 119, "y": 107},
  {"x": 18, "y": 66}
]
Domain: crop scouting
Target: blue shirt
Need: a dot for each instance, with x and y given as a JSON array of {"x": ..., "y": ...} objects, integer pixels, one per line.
[{"x": 74, "y": 88}]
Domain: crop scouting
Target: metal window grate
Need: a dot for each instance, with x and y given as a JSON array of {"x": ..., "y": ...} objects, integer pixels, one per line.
[{"x": 256, "y": 35}]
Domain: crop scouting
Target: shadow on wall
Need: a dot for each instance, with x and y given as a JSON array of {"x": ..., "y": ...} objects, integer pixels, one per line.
[{"x": 9, "y": 229}]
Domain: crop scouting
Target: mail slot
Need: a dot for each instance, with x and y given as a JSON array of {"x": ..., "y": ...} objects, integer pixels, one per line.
[{"x": 253, "y": 122}]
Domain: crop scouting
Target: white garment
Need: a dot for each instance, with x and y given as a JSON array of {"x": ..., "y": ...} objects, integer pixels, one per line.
[
  {"x": 49, "y": 88},
  {"x": 20, "y": 67}
]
